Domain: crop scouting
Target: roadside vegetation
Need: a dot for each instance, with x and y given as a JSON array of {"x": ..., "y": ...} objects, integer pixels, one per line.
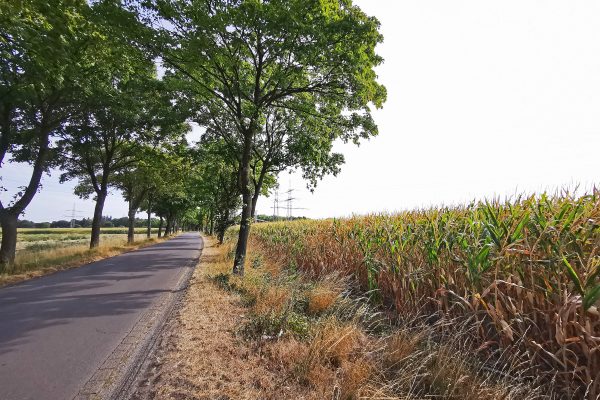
[
  {"x": 200, "y": 355},
  {"x": 490, "y": 300},
  {"x": 281, "y": 332}
]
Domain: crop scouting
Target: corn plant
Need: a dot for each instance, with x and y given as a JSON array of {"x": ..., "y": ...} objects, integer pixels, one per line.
[{"x": 528, "y": 270}]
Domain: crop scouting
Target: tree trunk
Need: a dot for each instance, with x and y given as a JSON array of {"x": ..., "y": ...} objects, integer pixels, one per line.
[
  {"x": 244, "y": 182},
  {"x": 160, "y": 226},
  {"x": 257, "y": 186},
  {"x": 254, "y": 201},
  {"x": 223, "y": 225},
  {"x": 9, "y": 215},
  {"x": 97, "y": 221},
  {"x": 131, "y": 224},
  {"x": 149, "y": 224},
  {"x": 9, "y": 240},
  {"x": 242, "y": 244},
  {"x": 168, "y": 228}
]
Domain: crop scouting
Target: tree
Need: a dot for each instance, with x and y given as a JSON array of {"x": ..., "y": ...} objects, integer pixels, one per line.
[
  {"x": 215, "y": 186},
  {"x": 135, "y": 185},
  {"x": 245, "y": 64},
  {"x": 172, "y": 196},
  {"x": 108, "y": 140},
  {"x": 139, "y": 181},
  {"x": 51, "y": 55}
]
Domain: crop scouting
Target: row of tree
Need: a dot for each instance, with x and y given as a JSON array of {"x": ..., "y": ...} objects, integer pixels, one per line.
[
  {"x": 106, "y": 90},
  {"x": 106, "y": 222}
]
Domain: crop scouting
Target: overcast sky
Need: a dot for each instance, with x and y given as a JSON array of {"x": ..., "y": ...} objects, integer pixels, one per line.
[{"x": 485, "y": 98}]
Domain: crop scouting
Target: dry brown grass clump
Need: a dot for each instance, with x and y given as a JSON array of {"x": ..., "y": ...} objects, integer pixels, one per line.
[{"x": 323, "y": 295}]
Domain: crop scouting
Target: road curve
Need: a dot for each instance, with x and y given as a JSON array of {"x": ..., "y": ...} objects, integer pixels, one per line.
[{"x": 58, "y": 330}]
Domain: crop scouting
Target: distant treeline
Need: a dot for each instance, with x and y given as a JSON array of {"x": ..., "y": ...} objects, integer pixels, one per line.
[{"x": 107, "y": 222}]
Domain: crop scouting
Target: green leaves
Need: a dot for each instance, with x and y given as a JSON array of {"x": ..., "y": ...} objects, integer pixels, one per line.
[
  {"x": 574, "y": 277},
  {"x": 591, "y": 297},
  {"x": 277, "y": 82},
  {"x": 294, "y": 75}
]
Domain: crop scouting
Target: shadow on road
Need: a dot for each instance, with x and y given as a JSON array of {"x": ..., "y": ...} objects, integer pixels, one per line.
[{"x": 119, "y": 286}]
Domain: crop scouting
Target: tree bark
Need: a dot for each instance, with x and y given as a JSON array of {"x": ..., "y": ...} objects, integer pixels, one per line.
[
  {"x": 131, "y": 224},
  {"x": 254, "y": 201},
  {"x": 160, "y": 226},
  {"x": 244, "y": 182},
  {"x": 8, "y": 250},
  {"x": 257, "y": 187},
  {"x": 242, "y": 244},
  {"x": 97, "y": 221},
  {"x": 149, "y": 224},
  {"x": 222, "y": 228},
  {"x": 168, "y": 227}
]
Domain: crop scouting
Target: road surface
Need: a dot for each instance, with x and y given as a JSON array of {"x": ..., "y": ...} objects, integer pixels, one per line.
[{"x": 58, "y": 330}]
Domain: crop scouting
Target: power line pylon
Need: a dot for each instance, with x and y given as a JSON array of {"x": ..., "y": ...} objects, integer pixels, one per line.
[
  {"x": 276, "y": 206},
  {"x": 73, "y": 214}
]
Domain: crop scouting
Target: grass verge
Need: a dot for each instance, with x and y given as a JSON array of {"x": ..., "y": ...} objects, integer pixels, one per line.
[{"x": 201, "y": 354}]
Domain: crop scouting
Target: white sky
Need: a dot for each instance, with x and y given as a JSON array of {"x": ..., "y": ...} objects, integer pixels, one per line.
[{"x": 485, "y": 98}]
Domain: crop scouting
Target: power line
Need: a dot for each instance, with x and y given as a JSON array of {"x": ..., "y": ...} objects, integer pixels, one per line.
[
  {"x": 276, "y": 205},
  {"x": 74, "y": 213}
]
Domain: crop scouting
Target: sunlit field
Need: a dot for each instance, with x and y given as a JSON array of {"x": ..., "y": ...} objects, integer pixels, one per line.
[
  {"x": 33, "y": 239},
  {"x": 55, "y": 248}
]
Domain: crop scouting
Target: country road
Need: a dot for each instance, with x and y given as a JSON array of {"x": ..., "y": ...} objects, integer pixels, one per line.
[{"x": 72, "y": 334}]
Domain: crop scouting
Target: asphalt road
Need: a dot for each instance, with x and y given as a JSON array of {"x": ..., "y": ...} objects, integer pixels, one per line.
[{"x": 56, "y": 331}]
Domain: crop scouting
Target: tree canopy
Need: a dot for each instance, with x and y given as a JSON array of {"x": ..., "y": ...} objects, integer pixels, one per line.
[
  {"x": 272, "y": 85},
  {"x": 276, "y": 81}
]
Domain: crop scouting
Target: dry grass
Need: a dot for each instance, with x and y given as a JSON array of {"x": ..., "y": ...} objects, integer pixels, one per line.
[
  {"x": 526, "y": 274},
  {"x": 323, "y": 295},
  {"x": 32, "y": 264},
  {"x": 202, "y": 356},
  {"x": 276, "y": 335}
]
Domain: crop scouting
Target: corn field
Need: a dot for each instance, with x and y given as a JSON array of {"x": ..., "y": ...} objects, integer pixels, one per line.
[{"x": 526, "y": 270}]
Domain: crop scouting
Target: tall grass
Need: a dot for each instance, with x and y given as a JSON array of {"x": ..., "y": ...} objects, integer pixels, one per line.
[{"x": 525, "y": 273}]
